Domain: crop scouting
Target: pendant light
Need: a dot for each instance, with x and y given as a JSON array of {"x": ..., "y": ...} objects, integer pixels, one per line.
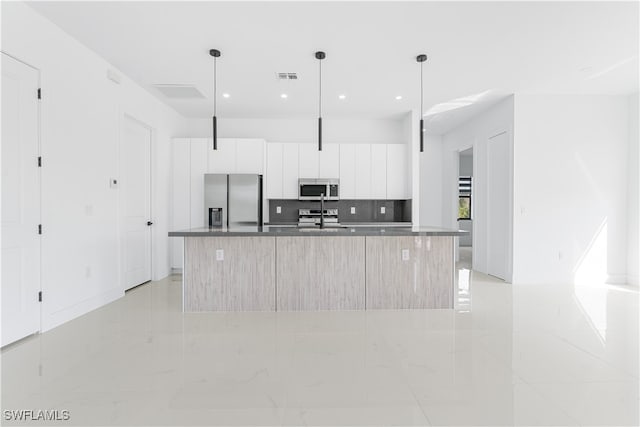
[
  {"x": 320, "y": 56},
  {"x": 215, "y": 53},
  {"x": 421, "y": 59}
]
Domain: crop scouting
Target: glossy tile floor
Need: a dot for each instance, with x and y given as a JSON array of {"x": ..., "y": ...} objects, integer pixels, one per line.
[{"x": 507, "y": 355}]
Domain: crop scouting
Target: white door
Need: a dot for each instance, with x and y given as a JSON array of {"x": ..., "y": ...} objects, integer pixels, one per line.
[
  {"x": 20, "y": 201},
  {"x": 135, "y": 203},
  {"x": 497, "y": 205}
]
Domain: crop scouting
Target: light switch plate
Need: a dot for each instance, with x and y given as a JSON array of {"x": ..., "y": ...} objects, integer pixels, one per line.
[
  {"x": 405, "y": 254},
  {"x": 353, "y": 210},
  {"x": 383, "y": 210},
  {"x": 113, "y": 183},
  {"x": 219, "y": 254},
  {"x": 278, "y": 209}
]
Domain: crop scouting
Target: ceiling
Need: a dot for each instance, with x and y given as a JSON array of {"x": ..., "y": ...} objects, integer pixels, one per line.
[{"x": 478, "y": 52}]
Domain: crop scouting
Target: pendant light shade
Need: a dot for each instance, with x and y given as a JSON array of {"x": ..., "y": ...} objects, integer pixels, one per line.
[
  {"x": 320, "y": 56},
  {"x": 216, "y": 54},
  {"x": 421, "y": 59}
]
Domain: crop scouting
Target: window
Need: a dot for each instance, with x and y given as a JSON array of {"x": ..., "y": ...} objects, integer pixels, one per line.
[{"x": 464, "y": 197}]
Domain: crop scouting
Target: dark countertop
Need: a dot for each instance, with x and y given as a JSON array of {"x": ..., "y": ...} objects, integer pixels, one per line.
[{"x": 284, "y": 230}]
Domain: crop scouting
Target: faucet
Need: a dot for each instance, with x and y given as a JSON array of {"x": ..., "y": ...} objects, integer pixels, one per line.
[{"x": 321, "y": 210}]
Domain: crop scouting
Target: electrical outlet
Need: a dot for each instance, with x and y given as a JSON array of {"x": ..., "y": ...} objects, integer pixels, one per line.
[
  {"x": 353, "y": 210},
  {"x": 219, "y": 254},
  {"x": 278, "y": 209},
  {"x": 405, "y": 254},
  {"x": 383, "y": 210}
]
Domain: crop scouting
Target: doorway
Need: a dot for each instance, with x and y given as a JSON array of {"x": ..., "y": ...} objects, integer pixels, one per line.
[
  {"x": 465, "y": 210},
  {"x": 20, "y": 200},
  {"x": 135, "y": 202}
]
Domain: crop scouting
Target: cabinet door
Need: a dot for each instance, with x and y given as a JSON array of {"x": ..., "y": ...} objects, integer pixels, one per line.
[
  {"x": 329, "y": 166},
  {"x": 309, "y": 161},
  {"x": 274, "y": 170},
  {"x": 363, "y": 171},
  {"x": 397, "y": 174},
  {"x": 180, "y": 177},
  {"x": 379, "y": 171},
  {"x": 347, "y": 171},
  {"x": 199, "y": 148},
  {"x": 290, "y": 171},
  {"x": 250, "y": 156},
  {"x": 222, "y": 160}
]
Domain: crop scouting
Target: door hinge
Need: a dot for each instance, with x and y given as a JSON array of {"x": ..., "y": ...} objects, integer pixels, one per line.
[
  {"x": 39, "y": 161},
  {"x": 39, "y": 93},
  {"x": 40, "y": 296},
  {"x": 39, "y": 228}
]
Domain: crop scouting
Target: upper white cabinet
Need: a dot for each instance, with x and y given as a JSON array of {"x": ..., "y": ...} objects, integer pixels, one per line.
[
  {"x": 236, "y": 156},
  {"x": 363, "y": 171},
  {"x": 222, "y": 160},
  {"x": 347, "y": 171},
  {"x": 250, "y": 156},
  {"x": 379, "y": 171},
  {"x": 397, "y": 177},
  {"x": 275, "y": 170},
  {"x": 329, "y": 161},
  {"x": 290, "y": 157},
  {"x": 309, "y": 161}
]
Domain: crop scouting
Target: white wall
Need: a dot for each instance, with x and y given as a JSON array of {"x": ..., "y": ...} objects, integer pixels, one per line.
[
  {"x": 570, "y": 187},
  {"x": 474, "y": 133},
  {"x": 81, "y": 116},
  {"x": 370, "y": 131},
  {"x": 633, "y": 190}
]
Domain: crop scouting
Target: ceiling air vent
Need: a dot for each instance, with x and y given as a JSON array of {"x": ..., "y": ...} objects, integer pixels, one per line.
[
  {"x": 286, "y": 76},
  {"x": 179, "y": 91}
]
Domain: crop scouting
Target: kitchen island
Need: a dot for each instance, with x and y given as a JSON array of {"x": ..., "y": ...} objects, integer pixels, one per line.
[{"x": 289, "y": 269}]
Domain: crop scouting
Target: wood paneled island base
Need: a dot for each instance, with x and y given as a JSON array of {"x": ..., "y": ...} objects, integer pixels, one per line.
[{"x": 292, "y": 270}]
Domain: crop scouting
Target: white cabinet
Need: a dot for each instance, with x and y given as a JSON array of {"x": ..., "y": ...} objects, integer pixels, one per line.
[
  {"x": 347, "y": 171},
  {"x": 309, "y": 161},
  {"x": 222, "y": 160},
  {"x": 397, "y": 175},
  {"x": 199, "y": 147},
  {"x": 250, "y": 156},
  {"x": 363, "y": 171},
  {"x": 290, "y": 157},
  {"x": 379, "y": 171},
  {"x": 329, "y": 161},
  {"x": 180, "y": 183},
  {"x": 275, "y": 170}
]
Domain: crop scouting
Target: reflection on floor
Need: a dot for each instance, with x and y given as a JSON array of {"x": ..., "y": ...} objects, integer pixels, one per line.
[{"x": 507, "y": 355}]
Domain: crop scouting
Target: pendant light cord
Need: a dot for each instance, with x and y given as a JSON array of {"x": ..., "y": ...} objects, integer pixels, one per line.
[
  {"x": 421, "y": 90},
  {"x": 320, "y": 91},
  {"x": 215, "y": 86}
]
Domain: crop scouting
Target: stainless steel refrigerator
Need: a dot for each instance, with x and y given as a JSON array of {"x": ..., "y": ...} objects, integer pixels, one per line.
[{"x": 233, "y": 200}]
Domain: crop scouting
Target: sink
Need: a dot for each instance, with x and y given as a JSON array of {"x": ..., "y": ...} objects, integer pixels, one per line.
[{"x": 320, "y": 229}]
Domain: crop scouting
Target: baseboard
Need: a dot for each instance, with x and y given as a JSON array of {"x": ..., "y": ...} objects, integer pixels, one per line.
[
  {"x": 633, "y": 280},
  {"x": 53, "y": 320},
  {"x": 616, "y": 279}
]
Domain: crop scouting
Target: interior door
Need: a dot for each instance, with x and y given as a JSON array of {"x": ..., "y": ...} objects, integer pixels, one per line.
[
  {"x": 498, "y": 205},
  {"x": 20, "y": 201},
  {"x": 135, "y": 203}
]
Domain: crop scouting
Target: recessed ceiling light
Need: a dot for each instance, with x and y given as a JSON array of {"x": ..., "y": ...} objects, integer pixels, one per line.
[
  {"x": 225, "y": 95},
  {"x": 398, "y": 98},
  {"x": 284, "y": 96},
  {"x": 342, "y": 96}
]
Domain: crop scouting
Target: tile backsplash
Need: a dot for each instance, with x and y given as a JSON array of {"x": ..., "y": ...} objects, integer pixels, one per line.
[{"x": 365, "y": 210}]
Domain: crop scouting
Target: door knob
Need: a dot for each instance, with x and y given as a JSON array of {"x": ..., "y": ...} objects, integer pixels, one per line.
[{"x": 149, "y": 223}]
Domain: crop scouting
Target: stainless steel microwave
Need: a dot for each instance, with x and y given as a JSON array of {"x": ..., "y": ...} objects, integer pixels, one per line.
[{"x": 312, "y": 189}]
